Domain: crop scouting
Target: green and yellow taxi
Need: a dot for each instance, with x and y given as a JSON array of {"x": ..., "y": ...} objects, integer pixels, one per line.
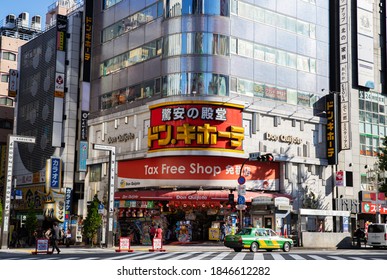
[{"x": 257, "y": 238}]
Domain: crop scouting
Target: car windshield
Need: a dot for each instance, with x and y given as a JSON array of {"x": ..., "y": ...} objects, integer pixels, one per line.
[
  {"x": 244, "y": 231},
  {"x": 375, "y": 228}
]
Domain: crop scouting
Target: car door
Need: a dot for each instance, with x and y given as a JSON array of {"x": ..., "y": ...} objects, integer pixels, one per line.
[{"x": 274, "y": 239}]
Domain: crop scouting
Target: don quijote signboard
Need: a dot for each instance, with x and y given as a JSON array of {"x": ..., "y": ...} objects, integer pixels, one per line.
[
  {"x": 195, "y": 126},
  {"x": 197, "y": 171}
]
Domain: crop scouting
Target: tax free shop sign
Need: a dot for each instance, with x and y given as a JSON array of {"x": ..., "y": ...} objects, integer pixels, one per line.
[{"x": 197, "y": 171}]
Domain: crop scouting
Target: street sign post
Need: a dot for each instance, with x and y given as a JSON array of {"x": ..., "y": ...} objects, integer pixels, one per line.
[
  {"x": 8, "y": 187},
  {"x": 110, "y": 209}
]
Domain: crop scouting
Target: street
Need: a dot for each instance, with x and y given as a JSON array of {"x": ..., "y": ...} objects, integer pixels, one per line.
[{"x": 197, "y": 252}]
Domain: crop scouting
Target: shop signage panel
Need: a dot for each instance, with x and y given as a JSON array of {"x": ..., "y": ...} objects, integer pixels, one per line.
[
  {"x": 197, "y": 171},
  {"x": 195, "y": 125},
  {"x": 370, "y": 208}
]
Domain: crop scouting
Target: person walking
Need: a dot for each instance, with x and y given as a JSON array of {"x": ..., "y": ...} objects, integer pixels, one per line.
[
  {"x": 159, "y": 232},
  {"x": 55, "y": 237},
  {"x": 152, "y": 232},
  {"x": 359, "y": 234}
]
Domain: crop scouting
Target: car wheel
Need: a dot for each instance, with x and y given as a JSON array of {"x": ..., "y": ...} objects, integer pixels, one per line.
[
  {"x": 286, "y": 247},
  {"x": 254, "y": 247},
  {"x": 237, "y": 249}
]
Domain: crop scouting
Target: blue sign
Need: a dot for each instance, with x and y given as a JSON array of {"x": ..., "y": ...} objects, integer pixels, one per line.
[
  {"x": 83, "y": 146},
  {"x": 55, "y": 173},
  {"x": 241, "y": 180},
  {"x": 241, "y": 199}
]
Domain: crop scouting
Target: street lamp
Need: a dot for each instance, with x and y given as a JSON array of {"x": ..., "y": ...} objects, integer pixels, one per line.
[{"x": 8, "y": 186}]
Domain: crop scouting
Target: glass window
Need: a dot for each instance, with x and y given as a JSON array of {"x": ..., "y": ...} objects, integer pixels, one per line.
[
  {"x": 270, "y": 18},
  {"x": 382, "y": 119},
  {"x": 148, "y": 88},
  {"x": 362, "y": 116},
  {"x": 281, "y": 58},
  {"x": 270, "y": 55},
  {"x": 9, "y": 56},
  {"x": 245, "y": 48},
  {"x": 368, "y": 129},
  {"x": 259, "y": 14},
  {"x": 233, "y": 45},
  {"x": 95, "y": 172},
  {"x": 361, "y": 127},
  {"x": 382, "y": 131},
  {"x": 375, "y": 129},
  {"x": 4, "y": 78},
  {"x": 234, "y": 6},
  {"x": 259, "y": 52},
  {"x": 303, "y": 28},
  {"x": 291, "y": 24},
  {"x": 361, "y": 104},
  {"x": 109, "y": 3},
  {"x": 292, "y": 60}
]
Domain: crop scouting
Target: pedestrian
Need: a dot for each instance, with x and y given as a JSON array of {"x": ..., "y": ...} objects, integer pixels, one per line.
[
  {"x": 359, "y": 234},
  {"x": 68, "y": 237},
  {"x": 152, "y": 232},
  {"x": 159, "y": 232},
  {"x": 222, "y": 232},
  {"x": 55, "y": 237}
]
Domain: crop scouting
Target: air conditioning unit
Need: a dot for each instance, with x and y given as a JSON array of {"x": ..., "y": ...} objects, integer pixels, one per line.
[
  {"x": 10, "y": 21},
  {"x": 24, "y": 19},
  {"x": 36, "y": 23}
]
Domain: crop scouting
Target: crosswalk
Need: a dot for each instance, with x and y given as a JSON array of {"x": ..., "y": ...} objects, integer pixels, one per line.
[{"x": 142, "y": 255}]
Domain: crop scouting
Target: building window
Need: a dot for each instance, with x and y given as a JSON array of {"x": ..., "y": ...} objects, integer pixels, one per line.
[
  {"x": 6, "y": 101},
  {"x": 132, "y": 22},
  {"x": 95, "y": 172},
  {"x": 109, "y": 3},
  {"x": 9, "y": 56},
  {"x": 175, "y": 8},
  {"x": 372, "y": 122},
  {"x": 4, "y": 78}
]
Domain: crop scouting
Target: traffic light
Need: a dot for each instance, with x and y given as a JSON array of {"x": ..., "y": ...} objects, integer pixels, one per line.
[{"x": 266, "y": 158}]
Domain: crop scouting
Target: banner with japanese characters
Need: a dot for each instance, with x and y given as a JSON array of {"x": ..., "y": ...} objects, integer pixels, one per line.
[{"x": 195, "y": 125}]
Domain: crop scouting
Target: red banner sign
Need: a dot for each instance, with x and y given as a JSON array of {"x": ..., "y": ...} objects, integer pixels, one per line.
[
  {"x": 370, "y": 208},
  {"x": 195, "y": 125}
]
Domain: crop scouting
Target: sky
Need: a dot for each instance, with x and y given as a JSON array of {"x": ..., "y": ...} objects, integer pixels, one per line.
[{"x": 33, "y": 7}]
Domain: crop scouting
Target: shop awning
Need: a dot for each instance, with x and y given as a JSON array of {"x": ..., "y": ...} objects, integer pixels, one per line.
[{"x": 190, "y": 195}]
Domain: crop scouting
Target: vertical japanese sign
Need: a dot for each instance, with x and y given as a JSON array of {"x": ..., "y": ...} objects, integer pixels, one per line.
[
  {"x": 344, "y": 94},
  {"x": 68, "y": 193},
  {"x": 87, "y": 40},
  {"x": 12, "y": 83},
  {"x": 55, "y": 173},
  {"x": 331, "y": 131}
]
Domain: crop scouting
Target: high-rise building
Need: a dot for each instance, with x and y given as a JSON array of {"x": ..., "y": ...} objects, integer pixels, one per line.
[
  {"x": 14, "y": 32},
  {"x": 358, "y": 81},
  {"x": 190, "y": 93},
  {"x": 46, "y": 173}
]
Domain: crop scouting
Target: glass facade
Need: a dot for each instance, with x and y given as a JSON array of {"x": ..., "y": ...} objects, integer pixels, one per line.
[
  {"x": 132, "y": 22},
  {"x": 109, "y": 3},
  {"x": 196, "y": 43},
  {"x": 175, "y": 8},
  {"x": 271, "y": 18},
  {"x": 132, "y": 57},
  {"x": 372, "y": 122},
  {"x": 294, "y": 57}
]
